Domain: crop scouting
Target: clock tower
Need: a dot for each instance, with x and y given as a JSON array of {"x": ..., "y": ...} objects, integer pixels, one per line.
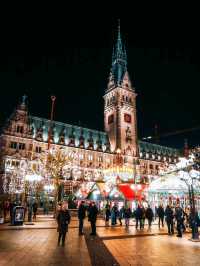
[{"x": 120, "y": 104}]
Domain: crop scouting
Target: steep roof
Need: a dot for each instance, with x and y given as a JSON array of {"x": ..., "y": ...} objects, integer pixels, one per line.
[{"x": 69, "y": 131}]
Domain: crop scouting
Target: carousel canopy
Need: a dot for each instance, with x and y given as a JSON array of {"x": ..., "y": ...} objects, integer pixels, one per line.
[
  {"x": 168, "y": 183},
  {"x": 131, "y": 192}
]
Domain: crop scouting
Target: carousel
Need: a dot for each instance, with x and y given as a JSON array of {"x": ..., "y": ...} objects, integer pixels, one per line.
[
  {"x": 172, "y": 190},
  {"x": 117, "y": 186}
]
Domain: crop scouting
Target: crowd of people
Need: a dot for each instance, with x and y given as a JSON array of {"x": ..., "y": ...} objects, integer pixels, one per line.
[
  {"x": 173, "y": 216},
  {"x": 30, "y": 210}
]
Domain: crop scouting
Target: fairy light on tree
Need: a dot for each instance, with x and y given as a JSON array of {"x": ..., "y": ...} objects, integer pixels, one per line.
[
  {"x": 188, "y": 171},
  {"x": 54, "y": 162}
]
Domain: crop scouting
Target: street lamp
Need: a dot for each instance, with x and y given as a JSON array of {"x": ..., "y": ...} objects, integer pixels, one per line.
[{"x": 189, "y": 178}]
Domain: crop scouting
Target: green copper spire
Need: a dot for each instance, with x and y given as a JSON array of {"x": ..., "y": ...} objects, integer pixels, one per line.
[{"x": 119, "y": 59}]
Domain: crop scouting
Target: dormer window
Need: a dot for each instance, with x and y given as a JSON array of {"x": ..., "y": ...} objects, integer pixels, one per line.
[
  {"x": 20, "y": 129},
  {"x": 38, "y": 149}
]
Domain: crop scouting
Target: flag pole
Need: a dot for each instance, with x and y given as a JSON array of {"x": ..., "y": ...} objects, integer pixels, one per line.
[{"x": 53, "y": 98}]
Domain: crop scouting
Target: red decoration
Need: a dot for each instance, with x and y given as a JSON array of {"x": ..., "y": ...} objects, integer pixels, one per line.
[{"x": 131, "y": 194}]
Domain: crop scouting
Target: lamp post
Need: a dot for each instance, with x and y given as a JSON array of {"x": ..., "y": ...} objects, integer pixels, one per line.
[{"x": 189, "y": 178}]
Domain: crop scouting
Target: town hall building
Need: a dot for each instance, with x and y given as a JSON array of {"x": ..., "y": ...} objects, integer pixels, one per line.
[{"x": 108, "y": 164}]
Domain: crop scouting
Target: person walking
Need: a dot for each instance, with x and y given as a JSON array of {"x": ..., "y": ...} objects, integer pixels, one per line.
[
  {"x": 149, "y": 216},
  {"x": 127, "y": 215},
  {"x": 161, "y": 215},
  {"x": 143, "y": 216},
  {"x": 81, "y": 216},
  {"x": 63, "y": 220},
  {"x": 179, "y": 220},
  {"x": 35, "y": 206},
  {"x": 169, "y": 219},
  {"x": 138, "y": 217},
  {"x": 107, "y": 214},
  {"x": 121, "y": 214},
  {"x": 92, "y": 217}
]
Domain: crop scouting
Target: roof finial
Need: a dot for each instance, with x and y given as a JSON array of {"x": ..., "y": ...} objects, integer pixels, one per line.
[
  {"x": 24, "y": 97},
  {"x": 119, "y": 31}
]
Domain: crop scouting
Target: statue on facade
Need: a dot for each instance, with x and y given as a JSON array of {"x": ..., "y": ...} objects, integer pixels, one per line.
[{"x": 128, "y": 135}]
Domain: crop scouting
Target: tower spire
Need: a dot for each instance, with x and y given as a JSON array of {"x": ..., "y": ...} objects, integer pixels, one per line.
[
  {"x": 119, "y": 59},
  {"x": 119, "y": 40}
]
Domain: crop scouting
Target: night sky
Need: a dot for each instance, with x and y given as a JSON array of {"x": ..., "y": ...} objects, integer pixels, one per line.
[{"x": 72, "y": 59}]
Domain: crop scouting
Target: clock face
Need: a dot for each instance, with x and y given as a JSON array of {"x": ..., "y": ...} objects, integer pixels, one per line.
[{"x": 127, "y": 118}]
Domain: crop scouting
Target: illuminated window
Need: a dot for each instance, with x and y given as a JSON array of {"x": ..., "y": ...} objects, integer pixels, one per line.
[
  {"x": 127, "y": 118},
  {"x": 100, "y": 159},
  {"x": 90, "y": 157},
  {"x": 81, "y": 156},
  {"x": 110, "y": 119}
]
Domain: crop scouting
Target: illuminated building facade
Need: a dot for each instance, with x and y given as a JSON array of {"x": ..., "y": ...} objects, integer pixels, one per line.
[{"x": 100, "y": 160}]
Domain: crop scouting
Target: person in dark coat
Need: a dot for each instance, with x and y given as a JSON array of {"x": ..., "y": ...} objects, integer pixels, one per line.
[
  {"x": 127, "y": 215},
  {"x": 81, "y": 216},
  {"x": 169, "y": 219},
  {"x": 63, "y": 220},
  {"x": 161, "y": 215},
  {"x": 138, "y": 216},
  {"x": 121, "y": 214},
  {"x": 107, "y": 214},
  {"x": 179, "y": 220},
  {"x": 149, "y": 215},
  {"x": 92, "y": 217},
  {"x": 35, "y": 206}
]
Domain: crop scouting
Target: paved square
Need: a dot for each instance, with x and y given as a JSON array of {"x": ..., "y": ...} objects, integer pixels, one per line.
[
  {"x": 37, "y": 245},
  {"x": 155, "y": 251}
]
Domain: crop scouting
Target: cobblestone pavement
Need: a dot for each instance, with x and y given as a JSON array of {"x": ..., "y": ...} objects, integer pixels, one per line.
[
  {"x": 39, "y": 247},
  {"x": 155, "y": 251},
  {"x": 113, "y": 246}
]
